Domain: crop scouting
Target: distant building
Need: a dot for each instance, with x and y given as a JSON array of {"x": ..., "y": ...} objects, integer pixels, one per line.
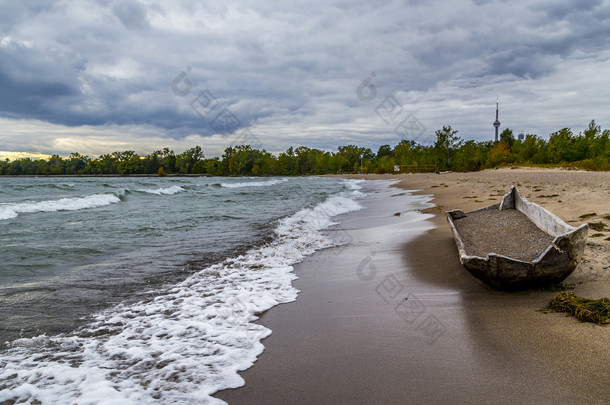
[
  {"x": 521, "y": 136},
  {"x": 496, "y": 123}
]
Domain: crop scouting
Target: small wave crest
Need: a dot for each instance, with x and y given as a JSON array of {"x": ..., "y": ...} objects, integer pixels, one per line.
[
  {"x": 182, "y": 346},
  {"x": 354, "y": 187},
  {"x": 9, "y": 211},
  {"x": 163, "y": 191},
  {"x": 253, "y": 183}
]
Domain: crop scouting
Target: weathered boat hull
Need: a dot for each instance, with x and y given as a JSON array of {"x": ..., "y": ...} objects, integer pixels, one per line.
[{"x": 553, "y": 264}]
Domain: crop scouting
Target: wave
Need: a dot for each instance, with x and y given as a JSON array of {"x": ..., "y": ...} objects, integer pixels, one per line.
[
  {"x": 163, "y": 191},
  {"x": 65, "y": 204},
  {"x": 354, "y": 186},
  {"x": 182, "y": 346},
  {"x": 38, "y": 186},
  {"x": 253, "y": 183}
]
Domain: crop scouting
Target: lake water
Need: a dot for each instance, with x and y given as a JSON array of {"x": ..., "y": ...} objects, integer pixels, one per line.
[{"x": 143, "y": 290}]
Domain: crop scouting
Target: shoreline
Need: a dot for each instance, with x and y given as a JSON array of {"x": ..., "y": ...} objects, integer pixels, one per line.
[
  {"x": 566, "y": 193},
  {"x": 554, "y": 339},
  {"x": 339, "y": 342}
]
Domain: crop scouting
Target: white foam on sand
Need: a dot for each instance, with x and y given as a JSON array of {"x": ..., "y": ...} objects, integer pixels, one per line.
[
  {"x": 180, "y": 347},
  {"x": 9, "y": 211}
]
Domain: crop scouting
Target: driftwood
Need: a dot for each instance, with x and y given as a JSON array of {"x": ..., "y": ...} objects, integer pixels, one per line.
[{"x": 512, "y": 255}]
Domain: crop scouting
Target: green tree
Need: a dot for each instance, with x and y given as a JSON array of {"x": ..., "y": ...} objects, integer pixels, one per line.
[
  {"x": 562, "y": 147},
  {"x": 55, "y": 165},
  {"x": 528, "y": 150},
  {"x": 499, "y": 154},
  {"x": 77, "y": 163},
  {"x": 306, "y": 160},
  {"x": 189, "y": 159},
  {"x": 352, "y": 155},
  {"x": 446, "y": 143},
  {"x": 107, "y": 164},
  {"x": 212, "y": 166},
  {"x": 385, "y": 151},
  {"x": 404, "y": 152},
  {"x": 164, "y": 157},
  {"x": 471, "y": 156},
  {"x": 153, "y": 162},
  {"x": 508, "y": 137},
  {"x": 4, "y": 165},
  {"x": 128, "y": 162},
  {"x": 14, "y": 168}
]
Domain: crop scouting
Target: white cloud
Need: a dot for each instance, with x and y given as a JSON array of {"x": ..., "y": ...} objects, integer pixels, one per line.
[{"x": 98, "y": 74}]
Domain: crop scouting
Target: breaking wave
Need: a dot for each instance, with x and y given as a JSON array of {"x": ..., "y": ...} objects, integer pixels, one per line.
[
  {"x": 163, "y": 191},
  {"x": 9, "y": 211},
  {"x": 253, "y": 183},
  {"x": 180, "y": 347}
]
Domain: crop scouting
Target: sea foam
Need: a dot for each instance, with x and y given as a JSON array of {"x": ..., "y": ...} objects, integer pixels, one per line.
[
  {"x": 180, "y": 347},
  {"x": 9, "y": 211},
  {"x": 253, "y": 183},
  {"x": 163, "y": 191}
]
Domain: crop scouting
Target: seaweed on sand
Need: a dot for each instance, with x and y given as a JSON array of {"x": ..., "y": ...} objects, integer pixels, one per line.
[
  {"x": 597, "y": 226},
  {"x": 583, "y": 309}
]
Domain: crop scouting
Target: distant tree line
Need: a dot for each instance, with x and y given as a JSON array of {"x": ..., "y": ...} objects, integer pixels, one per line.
[{"x": 588, "y": 150}]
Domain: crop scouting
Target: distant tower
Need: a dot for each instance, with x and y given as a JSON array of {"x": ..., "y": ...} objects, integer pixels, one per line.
[{"x": 496, "y": 122}]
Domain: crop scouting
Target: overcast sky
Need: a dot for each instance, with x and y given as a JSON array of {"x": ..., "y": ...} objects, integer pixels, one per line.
[{"x": 95, "y": 76}]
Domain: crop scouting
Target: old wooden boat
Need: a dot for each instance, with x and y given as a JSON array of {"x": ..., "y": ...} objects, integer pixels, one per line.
[{"x": 516, "y": 244}]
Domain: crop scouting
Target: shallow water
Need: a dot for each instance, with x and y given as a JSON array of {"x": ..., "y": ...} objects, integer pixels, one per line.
[
  {"x": 73, "y": 246},
  {"x": 144, "y": 290}
]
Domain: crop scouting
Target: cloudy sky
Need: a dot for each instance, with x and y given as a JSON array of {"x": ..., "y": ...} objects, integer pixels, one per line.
[{"x": 95, "y": 76}]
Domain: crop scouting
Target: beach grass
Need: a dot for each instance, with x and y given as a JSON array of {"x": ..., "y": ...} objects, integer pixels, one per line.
[{"x": 583, "y": 309}]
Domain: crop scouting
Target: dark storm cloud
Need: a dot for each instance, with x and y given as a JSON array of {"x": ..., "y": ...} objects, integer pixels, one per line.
[
  {"x": 558, "y": 10},
  {"x": 132, "y": 14},
  {"x": 283, "y": 66},
  {"x": 30, "y": 84},
  {"x": 523, "y": 40}
]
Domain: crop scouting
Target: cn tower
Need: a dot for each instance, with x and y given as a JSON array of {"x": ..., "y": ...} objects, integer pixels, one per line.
[{"x": 496, "y": 122}]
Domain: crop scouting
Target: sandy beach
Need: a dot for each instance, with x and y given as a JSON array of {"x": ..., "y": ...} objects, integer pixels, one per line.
[{"x": 391, "y": 318}]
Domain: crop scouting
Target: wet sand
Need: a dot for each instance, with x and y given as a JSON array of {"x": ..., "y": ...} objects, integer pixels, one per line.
[{"x": 395, "y": 319}]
